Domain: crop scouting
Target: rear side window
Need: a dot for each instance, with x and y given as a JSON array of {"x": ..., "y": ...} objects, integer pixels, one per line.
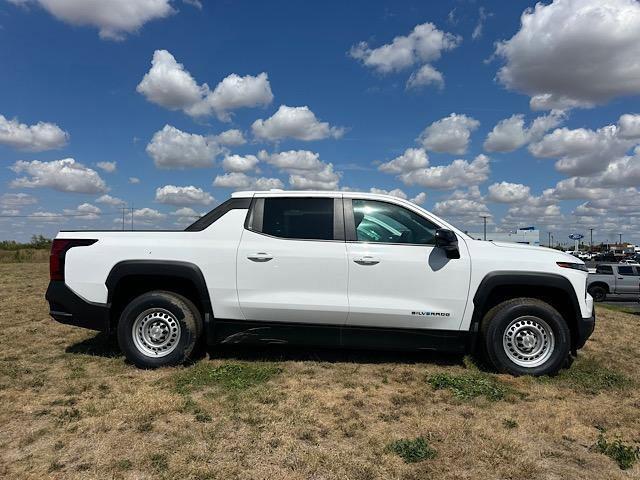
[
  {"x": 296, "y": 218},
  {"x": 627, "y": 271},
  {"x": 604, "y": 269}
]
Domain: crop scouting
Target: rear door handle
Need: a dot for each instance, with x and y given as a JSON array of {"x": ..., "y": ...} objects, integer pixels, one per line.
[
  {"x": 366, "y": 260},
  {"x": 260, "y": 257}
]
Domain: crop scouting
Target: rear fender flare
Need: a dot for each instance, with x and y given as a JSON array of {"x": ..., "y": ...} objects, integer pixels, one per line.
[{"x": 171, "y": 268}]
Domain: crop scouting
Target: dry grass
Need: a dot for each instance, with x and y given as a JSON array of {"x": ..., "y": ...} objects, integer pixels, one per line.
[
  {"x": 72, "y": 408},
  {"x": 24, "y": 255}
]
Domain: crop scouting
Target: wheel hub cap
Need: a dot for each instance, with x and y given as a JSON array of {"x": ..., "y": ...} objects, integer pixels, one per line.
[
  {"x": 156, "y": 332},
  {"x": 528, "y": 341}
]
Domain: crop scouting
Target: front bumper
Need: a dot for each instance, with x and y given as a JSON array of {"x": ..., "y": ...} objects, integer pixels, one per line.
[
  {"x": 584, "y": 330},
  {"x": 65, "y": 306}
]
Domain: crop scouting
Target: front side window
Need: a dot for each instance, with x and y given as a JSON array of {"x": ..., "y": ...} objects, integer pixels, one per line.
[
  {"x": 298, "y": 218},
  {"x": 382, "y": 222},
  {"x": 604, "y": 269}
]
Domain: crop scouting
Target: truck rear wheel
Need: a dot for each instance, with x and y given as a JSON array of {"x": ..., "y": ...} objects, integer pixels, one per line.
[
  {"x": 526, "y": 336},
  {"x": 159, "y": 329}
]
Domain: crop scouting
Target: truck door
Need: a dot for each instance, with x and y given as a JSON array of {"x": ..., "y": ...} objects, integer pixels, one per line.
[
  {"x": 397, "y": 277},
  {"x": 627, "y": 280},
  {"x": 292, "y": 261}
]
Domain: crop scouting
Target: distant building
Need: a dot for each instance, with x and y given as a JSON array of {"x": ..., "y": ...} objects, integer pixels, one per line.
[
  {"x": 623, "y": 248},
  {"x": 528, "y": 235}
]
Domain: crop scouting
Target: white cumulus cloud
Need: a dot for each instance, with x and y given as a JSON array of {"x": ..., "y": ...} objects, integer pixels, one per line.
[
  {"x": 231, "y": 138},
  {"x": 17, "y": 200},
  {"x": 113, "y": 18},
  {"x": 574, "y": 53},
  {"x": 108, "y": 167},
  {"x": 458, "y": 173},
  {"x": 180, "y": 196},
  {"x": 325, "y": 179},
  {"x": 505, "y": 192},
  {"x": 450, "y": 134},
  {"x": 170, "y": 85},
  {"x": 424, "y": 45},
  {"x": 35, "y": 138},
  {"x": 510, "y": 134},
  {"x": 112, "y": 201},
  {"x": 411, "y": 159},
  {"x": 629, "y": 126},
  {"x": 294, "y": 122},
  {"x": 583, "y": 151},
  {"x": 239, "y": 180},
  {"x": 173, "y": 148},
  {"x": 419, "y": 199},
  {"x": 424, "y": 76},
  {"x": 292, "y": 160},
  {"x": 240, "y": 163},
  {"x": 64, "y": 175}
]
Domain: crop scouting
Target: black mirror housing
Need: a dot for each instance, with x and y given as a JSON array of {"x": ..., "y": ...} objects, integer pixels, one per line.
[{"x": 448, "y": 241}]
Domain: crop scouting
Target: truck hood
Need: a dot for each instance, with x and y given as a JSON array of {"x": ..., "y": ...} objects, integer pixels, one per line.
[{"x": 520, "y": 246}]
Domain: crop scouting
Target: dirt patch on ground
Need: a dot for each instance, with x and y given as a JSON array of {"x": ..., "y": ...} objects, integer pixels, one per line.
[{"x": 72, "y": 408}]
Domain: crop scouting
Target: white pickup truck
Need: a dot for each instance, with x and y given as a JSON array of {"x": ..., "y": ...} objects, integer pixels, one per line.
[{"x": 322, "y": 268}]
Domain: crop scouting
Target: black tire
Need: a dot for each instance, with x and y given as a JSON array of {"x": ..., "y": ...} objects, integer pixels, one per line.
[
  {"x": 528, "y": 320},
  {"x": 178, "y": 322},
  {"x": 598, "y": 293}
]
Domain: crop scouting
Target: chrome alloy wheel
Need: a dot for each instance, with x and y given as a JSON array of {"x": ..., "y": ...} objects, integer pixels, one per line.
[
  {"x": 528, "y": 341},
  {"x": 156, "y": 332}
]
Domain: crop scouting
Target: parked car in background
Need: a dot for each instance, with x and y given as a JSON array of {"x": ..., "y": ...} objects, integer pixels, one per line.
[
  {"x": 629, "y": 261},
  {"x": 605, "y": 257},
  {"x": 614, "y": 279}
]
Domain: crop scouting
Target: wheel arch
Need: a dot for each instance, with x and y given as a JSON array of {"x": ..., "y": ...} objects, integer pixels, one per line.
[
  {"x": 554, "y": 289},
  {"x": 131, "y": 278}
]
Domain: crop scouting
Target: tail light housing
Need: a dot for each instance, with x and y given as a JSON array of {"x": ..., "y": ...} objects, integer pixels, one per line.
[{"x": 59, "y": 249}]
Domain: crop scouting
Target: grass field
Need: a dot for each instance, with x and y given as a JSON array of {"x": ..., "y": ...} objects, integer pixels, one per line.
[{"x": 73, "y": 409}]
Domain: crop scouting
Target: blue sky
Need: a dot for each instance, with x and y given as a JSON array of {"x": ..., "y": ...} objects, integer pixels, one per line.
[{"x": 81, "y": 73}]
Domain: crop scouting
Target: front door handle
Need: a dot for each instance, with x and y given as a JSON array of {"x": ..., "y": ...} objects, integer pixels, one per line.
[
  {"x": 366, "y": 260},
  {"x": 260, "y": 257}
]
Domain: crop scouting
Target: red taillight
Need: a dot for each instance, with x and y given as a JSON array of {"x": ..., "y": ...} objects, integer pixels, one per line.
[{"x": 59, "y": 249}]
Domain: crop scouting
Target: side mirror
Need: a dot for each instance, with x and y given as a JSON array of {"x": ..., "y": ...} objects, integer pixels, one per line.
[{"x": 448, "y": 241}]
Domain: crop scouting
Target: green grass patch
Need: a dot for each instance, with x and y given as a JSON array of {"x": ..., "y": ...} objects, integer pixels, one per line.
[
  {"x": 412, "y": 451},
  {"x": 471, "y": 384},
  {"x": 591, "y": 377},
  {"x": 159, "y": 462},
  {"x": 509, "y": 423},
  {"x": 229, "y": 376},
  {"x": 623, "y": 454},
  {"x": 617, "y": 308}
]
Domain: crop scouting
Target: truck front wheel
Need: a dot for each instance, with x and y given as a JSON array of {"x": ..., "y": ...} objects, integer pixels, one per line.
[
  {"x": 159, "y": 329},
  {"x": 598, "y": 293},
  {"x": 526, "y": 336}
]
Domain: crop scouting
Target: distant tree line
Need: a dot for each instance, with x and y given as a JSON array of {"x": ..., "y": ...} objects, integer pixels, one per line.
[{"x": 37, "y": 242}]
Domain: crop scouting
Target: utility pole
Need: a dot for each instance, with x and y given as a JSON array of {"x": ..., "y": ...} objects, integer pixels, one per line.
[
  {"x": 591, "y": 240},
  {"x": 549, "y": 242},
  {"x": 484, "y": 217},
  {"x": 123, "y": 210},
  {"x": 620, "y": 236},
  {"x": 131, "y": 217}
]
